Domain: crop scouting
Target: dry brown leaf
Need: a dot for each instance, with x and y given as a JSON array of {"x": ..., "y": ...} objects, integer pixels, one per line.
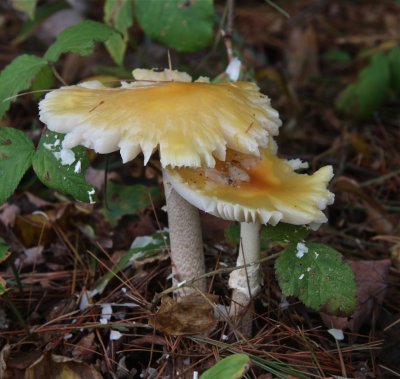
[
  {"x": 192, "y": 314},
  {"x": 8, "y": 213},
  {"x": 378, "y": 217},
  {"x": 85, "y": 348},
  {"x": 58, "y": 367},
  {"x": 371, "y": 279}
]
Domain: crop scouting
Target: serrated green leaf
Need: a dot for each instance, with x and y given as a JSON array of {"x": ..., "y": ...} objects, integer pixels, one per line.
[
  {"x": 43, "y": 81},
  {"x": 63, "y": 169},
  {"x": 118, "y": 14},
  {"x": 125, "y": 199},
  {"x": 16, "y": 151},
  {"x": 369, "y": 92},
  {"x": 394, "y": 67},
  {"x": 17, "y": 77},
  {"x": 281, "y": 233},
  {"x": 42, "y": 13},
  {"x": 25, "y": 6},
  {"x": 80, "y": 38},
  {"x": 317, "y": 275},
  {"x": 181, "y": 24},
  {"x": 284, "y": 233},
  {"x": 232, "y": 367},
  {"x": 4, "y": 251}
]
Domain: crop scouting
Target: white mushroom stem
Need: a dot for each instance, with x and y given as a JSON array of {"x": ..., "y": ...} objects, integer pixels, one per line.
[
  {"x": 246, "y": 282},
  {"x": 187, "y": 255}
]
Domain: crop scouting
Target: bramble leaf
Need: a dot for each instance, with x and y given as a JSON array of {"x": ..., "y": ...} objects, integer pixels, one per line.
[
  {"x": 394, "y": 66},
  {"x": 232, "y": 367},
  {"x": 17, "y": 77},
  {"x": 119, "y": 15},
  {"x": 63, "y": 169},
  {"x": 371, "y": 90},
  {"x": 180, "y": 24},
  {"x": 128, "y": 199},
  {"x": 80, "y": 38},
  {"x": 16, "y": 151},
  {"x": 317, "y": 275}
]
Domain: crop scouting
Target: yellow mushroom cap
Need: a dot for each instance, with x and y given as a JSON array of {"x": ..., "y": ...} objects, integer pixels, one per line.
[
  {"x": 191, "y": 123},
  {"x": 250, "y": 189}
]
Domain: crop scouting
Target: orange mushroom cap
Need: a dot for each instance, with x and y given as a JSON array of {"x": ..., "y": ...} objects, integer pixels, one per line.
[
  {"x": 191, "y": 123},
  {"x": 252, "y": 189}
]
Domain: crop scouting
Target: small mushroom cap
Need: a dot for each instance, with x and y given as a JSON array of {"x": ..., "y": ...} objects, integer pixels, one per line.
[
  {"x": 249, "y": 189},
  {"x": 191, "y": 123}
]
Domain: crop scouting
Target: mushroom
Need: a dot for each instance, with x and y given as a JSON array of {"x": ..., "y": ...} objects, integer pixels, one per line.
[
  {"x": 255, "y": 190},
  {"x": 190, "y": 123}
]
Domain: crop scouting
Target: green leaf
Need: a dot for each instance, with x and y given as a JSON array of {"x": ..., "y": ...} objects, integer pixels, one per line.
[
  {"x": 119, "y": 15},
  {"x": 17, "y": 77},
  {"x": 128, "y": 199},
  {"x": 281, "y": 233},
  {"x": 284, "y": 233},
  {"x": 370, "y": 91},
  {"x": 185, "y": 25},
  {"x": 318, "y": 276},
  {"x": 42, "y": 13},
  {"x": 232, "y": 367},
  {"x": 394, "y": 67},
  {"x": 80, "y": 38},
  {"x": 337, "y": 56},
  {"x": 4, "y": 251},
  {"x": 25, "y": 6},
  {"x": 43, "y": 81},
  {"x": 16, "y": 151},
  {"x": 63, "y": 169},
  {"x": 142, "y": 247}
]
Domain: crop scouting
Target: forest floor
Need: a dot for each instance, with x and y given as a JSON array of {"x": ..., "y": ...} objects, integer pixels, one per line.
[{"x": 62, "y": 249}]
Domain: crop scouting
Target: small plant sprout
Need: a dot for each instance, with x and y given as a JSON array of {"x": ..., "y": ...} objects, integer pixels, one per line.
[
  {"x": 190, "y": 123},
  {"x": 254, "y": 191}
]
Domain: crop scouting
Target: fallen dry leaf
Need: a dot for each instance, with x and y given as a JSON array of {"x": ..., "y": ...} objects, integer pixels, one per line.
[
  {"x": 59, "y": 367},
  {"x": 192, "y": 314},
  {"x": 371, "y": 279}
]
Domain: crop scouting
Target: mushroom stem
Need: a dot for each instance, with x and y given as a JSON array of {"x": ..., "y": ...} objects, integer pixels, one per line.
[
  {"x": 246, "y": 282},
  {"x": 186, "y": 240}
]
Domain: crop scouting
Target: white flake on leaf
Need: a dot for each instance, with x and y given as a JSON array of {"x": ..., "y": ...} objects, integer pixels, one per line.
[
  {"x": 77, "y": 168},
  {"x": 301, "y": 276},
  {"x": 65, "y": 156},
  {"x": 301, "y": 250}
]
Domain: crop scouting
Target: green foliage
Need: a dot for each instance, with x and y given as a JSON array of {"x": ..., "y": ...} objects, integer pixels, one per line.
[
  {"x": 280, "y": 233},
  {"x": 118, "y": 14},
  {"x": 4, "y": 254},
  {"x": 44, "y": 80},
  {"x": 318, "y": 276},
  {"x": 41, "y": 14},
  {"x": 232, "y": 367},
  {"x": 375, "y": 84},
  {"x": 62, "y": 169},
  {"x": 17, "y": 77},
  {"x": 128, "y": 199},
  {"x": 80, "y": 38},
  {"x": 394, "y": 66},
  {"x": 180, "y": 24},
  {"x": 25, "y": 6},
  {"x": 16, "y": 151}
]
